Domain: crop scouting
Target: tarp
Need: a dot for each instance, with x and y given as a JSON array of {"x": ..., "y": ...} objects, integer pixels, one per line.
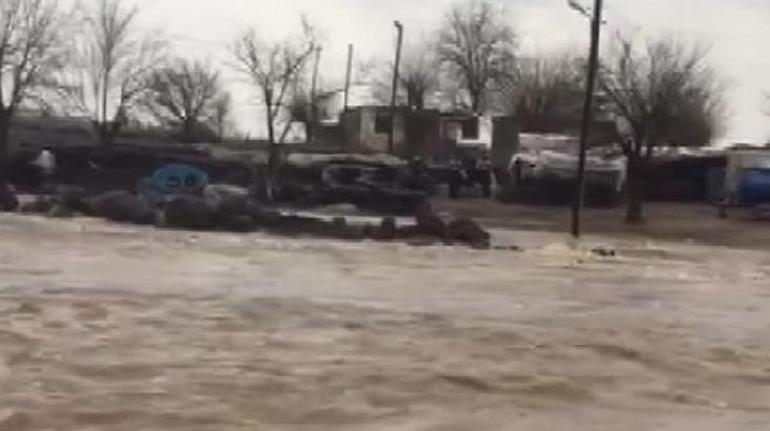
[{"x": 599, "y": 170}]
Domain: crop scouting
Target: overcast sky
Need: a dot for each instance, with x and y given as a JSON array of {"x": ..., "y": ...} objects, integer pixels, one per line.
[{"x": 738, "y": 31}]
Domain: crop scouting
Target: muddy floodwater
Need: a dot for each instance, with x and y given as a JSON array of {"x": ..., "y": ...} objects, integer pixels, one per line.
[{"x": 107, "y": 327}]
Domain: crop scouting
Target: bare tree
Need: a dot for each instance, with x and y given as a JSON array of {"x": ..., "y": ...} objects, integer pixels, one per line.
[
  {"x": 273, "y": 69},
  {"x": 478, "y": 46},
  {"x": 418, "y": 76},
  {"x": 31, "y": 56},
  {"x": 185, "y": 94},
  {"x": 115, "y": 60},
  {"x": 545, "y": 93},
  {"x": 419, "y": 73},
  {"x": 667, "y": 94}
]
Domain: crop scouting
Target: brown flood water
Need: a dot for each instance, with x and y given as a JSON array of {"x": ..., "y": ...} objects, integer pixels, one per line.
[{"x": 106, "y": 327}]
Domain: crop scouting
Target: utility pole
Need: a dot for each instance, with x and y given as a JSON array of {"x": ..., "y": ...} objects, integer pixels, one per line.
[
  {"x": 391, "y": 134},
  {"x": 593, "y": 64},
  {"x": 347, "y": 76},
  {"x": 313, "y": 98}
]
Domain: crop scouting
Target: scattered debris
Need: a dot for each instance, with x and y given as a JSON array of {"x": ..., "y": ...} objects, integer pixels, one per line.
[
  {"x": 9, "y": 201},
  {"x": 603, "y": 252},
  {"x": 508, "y": 248},
  {"x": 232, "y": 209}
]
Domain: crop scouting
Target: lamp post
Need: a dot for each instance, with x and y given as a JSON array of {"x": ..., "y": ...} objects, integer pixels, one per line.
[
  {"x": 314, "y": 99},
  {"x": 593, "y": 63},
  {"x": 347, "y": 77}
]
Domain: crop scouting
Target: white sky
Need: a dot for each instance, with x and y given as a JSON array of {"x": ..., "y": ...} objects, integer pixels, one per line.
[{"x": 738, "y": 31}]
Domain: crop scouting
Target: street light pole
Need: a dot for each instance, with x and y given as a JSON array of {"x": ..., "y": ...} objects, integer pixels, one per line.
[
  {"x": 313, "y": 99},
  {"x": 593, "y": 64},
  {"x": 391, "y": 134},
  {"x": 347, "y": 77}
]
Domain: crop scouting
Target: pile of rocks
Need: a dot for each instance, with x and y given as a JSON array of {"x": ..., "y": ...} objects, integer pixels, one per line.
[
  {"x": 230, "y": 208},
  {"x": 431, "y": 228}
]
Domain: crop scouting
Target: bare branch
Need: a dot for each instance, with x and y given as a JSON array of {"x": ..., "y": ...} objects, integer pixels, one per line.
[
  {"x": 479, "y": 47},
  {"x": 668, "y": 94},
  {"x": 185, "y": 94},
  {"x": 545, "y": 92},
  {"x": 114, "y": 63},
  {"x": 272, "y": 68},
  {"x": 32, "y": 53}
]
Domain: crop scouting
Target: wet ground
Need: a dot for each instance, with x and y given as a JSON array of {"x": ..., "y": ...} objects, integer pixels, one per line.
[{"x": 107, "y": 327}]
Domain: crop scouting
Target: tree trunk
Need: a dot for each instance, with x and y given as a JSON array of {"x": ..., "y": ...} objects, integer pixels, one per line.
[
  {"x": 475, "y": 101},
  {"x": 187, "y": 130},
  {"x": 5, "y": 128},
  {"x": 635, "y": 190},
  {"x": 272, "y": 155},
  {"x": 103, "y": 140},
  {"x": 104, "y": 132},
  {"x": 419, "y": 101}
]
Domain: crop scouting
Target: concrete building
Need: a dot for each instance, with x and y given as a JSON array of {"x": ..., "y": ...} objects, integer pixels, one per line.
[
  {"x": 366, "y": 125},
  {"x": 366, "y": 129}
]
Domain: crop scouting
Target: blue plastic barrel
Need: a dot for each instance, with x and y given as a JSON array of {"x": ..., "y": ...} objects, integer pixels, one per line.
[{"x": 176, "y": 177}]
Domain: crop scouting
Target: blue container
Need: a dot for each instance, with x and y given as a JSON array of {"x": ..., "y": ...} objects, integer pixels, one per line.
[
  {"x": 754, "y": 187},
  {"x": 175, "y": 177}
]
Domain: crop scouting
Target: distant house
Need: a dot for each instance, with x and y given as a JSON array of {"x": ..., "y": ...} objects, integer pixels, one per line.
[{"x": 366, "y": 125}]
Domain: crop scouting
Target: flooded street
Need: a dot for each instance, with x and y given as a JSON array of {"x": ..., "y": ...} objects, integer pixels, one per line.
[{"x": 107, "y": 327}]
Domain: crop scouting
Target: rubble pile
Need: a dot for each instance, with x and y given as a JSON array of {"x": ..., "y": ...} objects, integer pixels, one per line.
[
  {"x": 431, "y": 228},
  {"x": 231, "y": 209}
]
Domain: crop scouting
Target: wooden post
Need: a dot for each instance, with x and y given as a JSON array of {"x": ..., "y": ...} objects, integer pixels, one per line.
[
  {"x": 391, "y": 135},
  {"x": 593, "y": 64}
]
